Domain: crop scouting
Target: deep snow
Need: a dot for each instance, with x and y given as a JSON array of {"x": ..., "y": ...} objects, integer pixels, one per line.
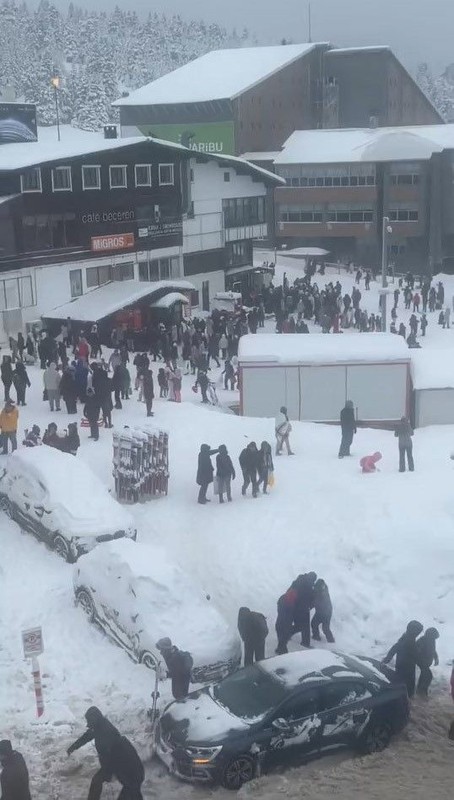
[{"x": 384, "y": 543}]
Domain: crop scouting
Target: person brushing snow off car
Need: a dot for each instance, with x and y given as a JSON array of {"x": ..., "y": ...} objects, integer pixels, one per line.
[{"x": 179, "y": 665}]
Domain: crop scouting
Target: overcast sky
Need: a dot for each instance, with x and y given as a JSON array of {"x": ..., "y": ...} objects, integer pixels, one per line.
[{"x": 417, "y": 30}]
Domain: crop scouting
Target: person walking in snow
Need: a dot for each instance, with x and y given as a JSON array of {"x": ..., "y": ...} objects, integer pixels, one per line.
[
  {"x": 266, "y": 466},
  {"x": 403, "y": 433},
  {"x": 179, "y": 665},
  {"x": 117, "y": 757},
  {"x": 283, "y": 429},
  {"x": 426, "y": 655},
  {"x": 253, "y": 631},
  {"x": 229, "y": 374},
  {"x": 323, "y": 612},
  {"x": 21, "y": 381},
  {"x": 406, "y": 654},
  {"x": 202, "y": 381},
  {"x": 205, "y": 472},
  {"x": 14, "y": 780},
  {"x": 148, "y": 390},
  {"x": 447, "y": 317},
  {"x": 225, "y": 473},
  {"x": 250, "y": 465},
  {"x": 6, "y": 371},
  {"x": 51, "y": 380},
  {"x": 92, "y": 409},
  {"x": 348, "y": 428},
  {"x": 9, "y": 418},
  {"x": 424, "y": 324}
]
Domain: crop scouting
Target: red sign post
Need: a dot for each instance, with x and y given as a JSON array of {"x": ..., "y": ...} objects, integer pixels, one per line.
[{"x": 32, "y": 641}]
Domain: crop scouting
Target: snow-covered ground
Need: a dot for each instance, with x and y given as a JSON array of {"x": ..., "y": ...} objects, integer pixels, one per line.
[{"x": 384, "y": 543}]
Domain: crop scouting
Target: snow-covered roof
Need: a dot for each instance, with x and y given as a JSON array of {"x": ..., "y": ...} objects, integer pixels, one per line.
[
  {"x": 432, "y": 369},
  {"x": 107, "y": 299},
  {"x": 169, "y": 300},
  {"x": 219, "y": 75},
  {"x": 303, "y": 252},
  {"x": 319, "y": 348},
  {"x": 238, "y": 160},
  {"x": 412, "y": 143},
  {"x": 266, "y": 155},
  {"x": 377, "y": 48}
]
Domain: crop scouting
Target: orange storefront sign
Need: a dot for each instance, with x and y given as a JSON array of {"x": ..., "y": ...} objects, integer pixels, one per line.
[{"x": 119, "y": 241}]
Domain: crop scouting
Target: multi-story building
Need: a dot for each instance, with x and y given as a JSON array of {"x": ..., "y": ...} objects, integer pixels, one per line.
[
  {"x": 79, "y": 214},
  {"x": 252, "y": 99},
  {"x": 342, "y": 183}
]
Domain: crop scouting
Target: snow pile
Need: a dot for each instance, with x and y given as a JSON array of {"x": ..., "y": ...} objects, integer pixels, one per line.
[
  {"x": 432, "y": 369},
  {"x": 319, "y": 348}
]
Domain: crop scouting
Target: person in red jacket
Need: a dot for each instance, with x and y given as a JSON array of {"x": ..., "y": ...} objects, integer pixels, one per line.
[
  {"x": 83, "y": 349},
  {"x": 368, "y": 463}
]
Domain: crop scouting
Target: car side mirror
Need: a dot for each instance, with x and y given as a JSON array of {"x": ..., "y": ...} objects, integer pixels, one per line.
[{"x": 280, "y": 724}]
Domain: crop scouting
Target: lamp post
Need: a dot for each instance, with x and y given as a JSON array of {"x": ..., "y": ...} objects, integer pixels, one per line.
[
  {"x": 56, "y": 84},
  {"x": 386, "y": 228}
]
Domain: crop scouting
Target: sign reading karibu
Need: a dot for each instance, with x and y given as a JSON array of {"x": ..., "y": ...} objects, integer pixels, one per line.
[{"x": 120, "y": 241}]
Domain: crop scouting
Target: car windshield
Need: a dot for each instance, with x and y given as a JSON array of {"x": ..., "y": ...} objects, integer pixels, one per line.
[{"x": 250, "y": 692}]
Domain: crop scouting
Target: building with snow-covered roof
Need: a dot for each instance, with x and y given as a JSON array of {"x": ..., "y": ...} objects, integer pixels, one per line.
[
  {"x": 342, "y": 183},
  {"x": 314, "y": 375},
  {"x": 87, "y": 211},
  {"x": 251, "y": 99}
]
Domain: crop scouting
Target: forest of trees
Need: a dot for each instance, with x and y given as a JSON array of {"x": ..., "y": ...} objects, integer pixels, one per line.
[
  {"x": 97, "y": 56},
  {"x": 439, "y": 89}
]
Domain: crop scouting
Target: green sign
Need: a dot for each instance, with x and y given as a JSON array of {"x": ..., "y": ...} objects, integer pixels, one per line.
[{"x": 206, "y": 137}]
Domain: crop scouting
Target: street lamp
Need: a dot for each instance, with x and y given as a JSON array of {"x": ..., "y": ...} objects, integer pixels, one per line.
[
  {"x": 56, "y": 84},
  {"x": 386, "y": 229}
]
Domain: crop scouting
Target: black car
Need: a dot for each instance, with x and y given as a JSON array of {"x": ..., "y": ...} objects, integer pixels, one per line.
[{"x": 283, "y": 710}]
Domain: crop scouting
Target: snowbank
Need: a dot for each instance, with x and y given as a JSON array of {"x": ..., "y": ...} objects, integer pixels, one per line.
[{"x": 432, "y": 369}]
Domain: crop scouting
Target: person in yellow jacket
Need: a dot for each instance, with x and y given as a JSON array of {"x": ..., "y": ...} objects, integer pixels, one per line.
[{"x": 8, "y": 423}]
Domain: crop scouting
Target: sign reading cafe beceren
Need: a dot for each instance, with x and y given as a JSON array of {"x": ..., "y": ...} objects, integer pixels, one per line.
[{"x": 91, "y": 217}]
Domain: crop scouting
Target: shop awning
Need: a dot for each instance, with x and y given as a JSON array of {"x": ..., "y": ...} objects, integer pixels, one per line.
[{"x": 106, "y": 300}]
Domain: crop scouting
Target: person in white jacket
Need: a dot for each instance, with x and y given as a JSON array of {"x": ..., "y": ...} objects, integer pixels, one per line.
[
  {"x": 283, "y": 430},
  {"x": 52, "y": 378}
]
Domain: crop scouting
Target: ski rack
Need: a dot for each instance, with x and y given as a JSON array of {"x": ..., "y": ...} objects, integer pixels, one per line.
[{"x": 140, "y": 464}]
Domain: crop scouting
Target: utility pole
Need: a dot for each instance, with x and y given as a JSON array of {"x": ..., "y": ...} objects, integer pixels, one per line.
[
  {"x": 56, "y": 84},
  {"x": 386, "y": 228},
  {"x": 309, "y": 20}
]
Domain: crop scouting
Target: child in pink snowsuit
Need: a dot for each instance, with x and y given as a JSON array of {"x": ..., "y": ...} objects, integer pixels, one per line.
[{"x": 368, "y": 463}]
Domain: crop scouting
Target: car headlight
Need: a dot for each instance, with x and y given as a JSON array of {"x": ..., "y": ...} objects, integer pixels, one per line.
[{"x": 203, "y": 755}]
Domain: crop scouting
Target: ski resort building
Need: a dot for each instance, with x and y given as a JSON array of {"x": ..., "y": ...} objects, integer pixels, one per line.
[
  {"x": 252, "y": 99},
  {"x": 85, "y": 212}
]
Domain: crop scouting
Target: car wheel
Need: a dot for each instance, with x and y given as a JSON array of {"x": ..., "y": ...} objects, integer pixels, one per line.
[
  {"x": 61, "y": 547},
  {"x": 84, "y": 600},
  {"x": 5, "y": 506},
  {"x": 375, "y": 739},
  {"x": 148, "y": 660},
  {"x": 238, "y": 771}
]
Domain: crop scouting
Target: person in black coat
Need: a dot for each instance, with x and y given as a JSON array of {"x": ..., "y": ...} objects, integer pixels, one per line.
[
  {"x": 179, "y": 665},
  {"x": 91, "y": 412},
  {"x": 117, "y": 757},
  {"x": 253, "y": 630},
  {"x": 250, "y": 465},
  {"x": 266, "y": 466},
  {"x": 21, "y": 381},
  {"x": 225, "y": 473},
  {"x": 20, "y": 345},
  {"x": 304, "y": 588},
  {"x": 148, "y": 390},
  {"x": 202, "y": 381},
  {"x": 348, "y": 427},
  {"x": 68, "y": 390},
  {"x": 6, "y": 372},
  {"x": 426, "y": 655},
  {"x": 284, "y": 620},
  {"x": 323, "y": 612},
  {"x": 205, "y": 472},
  {"x": 14, "y": 779},
  {"x": 406, "y": 653}
]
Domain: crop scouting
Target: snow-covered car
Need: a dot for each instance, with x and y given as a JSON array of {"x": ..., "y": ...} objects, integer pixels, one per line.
[
  {"x": 58, "y": 498},
  {"x": 281, "y": 711},
  {"x": 137, "y": 595}
]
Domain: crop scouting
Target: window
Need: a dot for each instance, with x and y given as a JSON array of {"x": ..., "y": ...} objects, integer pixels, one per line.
[
  {"x": 159, "y": 269},
  {"x": 404, "y": 215},
  {"x": 118, "y": 176},
  {"x": 340, "y": 694},
  {"x": 123, "y": 271},
  {"x": 91, "y": 177},
  {"x": 305, "y": 705},
  {"x": 31, "y": 180},
  {"x": 191, "y": 175},
  {"x": 242, "y": 211},
  {"x": 45, "y": 231},
  {"x": 61, "y": 179},
  {"x": 143, "y": 174},
  {"x": 405, "y": 180},
  {"x": 226, "y": 177},
  {"x": 239, "y": 254},
  {"x": 75, "y": 282},
  {"x": 166, "y": 175},
  {"x": 97, "y": 276}
]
